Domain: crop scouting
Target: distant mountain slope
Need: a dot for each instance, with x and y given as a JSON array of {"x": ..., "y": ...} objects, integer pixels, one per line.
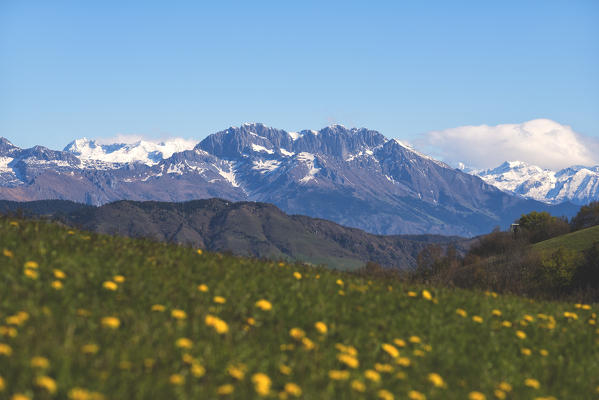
[
  {"x": 243, "y": 228},
  {"x": 355, "y": 177},
  {"x": 577, "y": 184}
]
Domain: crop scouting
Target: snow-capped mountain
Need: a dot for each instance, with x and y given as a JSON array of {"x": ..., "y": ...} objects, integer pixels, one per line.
[
  {"x": 114, "y": 155},
  {"x": 355, "y": 177},
  {"x": 577, "y": 184}
]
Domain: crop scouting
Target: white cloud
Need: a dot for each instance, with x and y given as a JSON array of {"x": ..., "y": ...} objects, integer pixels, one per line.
[{"x": 541, "y": 142}]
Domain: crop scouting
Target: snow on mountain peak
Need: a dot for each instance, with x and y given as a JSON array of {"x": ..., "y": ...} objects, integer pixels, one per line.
[{"x": 148, "y": 152}]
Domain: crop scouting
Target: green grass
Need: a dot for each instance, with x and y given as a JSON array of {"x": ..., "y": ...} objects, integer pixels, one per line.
[
  {"x": 577, "y": 241},
  {"x": 137, "y": 359}
]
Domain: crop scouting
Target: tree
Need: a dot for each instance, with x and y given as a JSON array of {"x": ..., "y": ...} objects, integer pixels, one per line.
[
  {"x": 539, "y": 226},
  {"x": 587, "y": 216}
]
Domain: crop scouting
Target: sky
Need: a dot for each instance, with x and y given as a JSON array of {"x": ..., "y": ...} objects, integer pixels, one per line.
[{"x": 441, "y": 75}]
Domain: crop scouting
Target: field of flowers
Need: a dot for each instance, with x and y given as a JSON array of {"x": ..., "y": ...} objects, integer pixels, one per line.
[{"x": 86, "y": 316}]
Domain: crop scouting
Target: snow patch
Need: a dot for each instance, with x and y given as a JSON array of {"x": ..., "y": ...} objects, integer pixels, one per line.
[
  {"x": 265, "y": 166},
  {"x": 258, "y": 148},
  {"x": 308, "y": 158},
  {"x": 286, "y": 153}
]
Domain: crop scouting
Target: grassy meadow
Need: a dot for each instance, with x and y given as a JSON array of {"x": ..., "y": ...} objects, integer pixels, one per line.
[
  {"x": 87, "y": 316},
  {"x": 577, "y": 240}
]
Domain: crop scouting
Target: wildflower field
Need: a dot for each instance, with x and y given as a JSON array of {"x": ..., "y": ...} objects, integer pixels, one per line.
[{"x": 87, "y": 316}]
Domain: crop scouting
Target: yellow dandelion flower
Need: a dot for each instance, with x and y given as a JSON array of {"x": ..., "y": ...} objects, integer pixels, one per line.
[
  {"x": 5, "y": 350},
  {"x": 264, "y": 305},
  {"x": 414, "y": 339},
  {"x": 321, "y": 327},
  {"x": 118, "y": 278},
  {"x": 178, "y": 314},
  {"x": 533, "y": 383},
  {"x": 47, "y": 383},
  {"x": 297, "y": 333},
  {"x": 506, "y": 387},
  {"x": 506, "y": 324},
  {"x": 339, "y": 282},
  {"x": 261, "y": 383},
  {"x": 176, "y": 379},
  {"x": 412, "y": 294},
  {"x": 476, "y": 396},
  {"x": 500, "y": 394},
  {"x": 224, "y": 390},
  {"x": 586, "y": 307},
  {"x": 308, "y": 344},
  {"x": 237, "y": 371},
  {"x": 203, "y": 288},
  {"x": 385, "y": 368},
  {"x": 348, "y": 360},
  {"x": 220, "y": 326},
  {"x": 31, "y": 264},
  {"x": 58, "y": 274},
  {"x": 403, "y": 361},
  {"x": 297, "y": 275},
  {"x": 427, "y": 295},
  {"x": 110, "y": 285},
  {"x": 184, "y": 343},
  {"x": 8, "y": 253},
  {"x": 496, "y": 313},
  {"x": 111, "y": 322},
  {"x": 358, "y": 386},
  {"x": 57, "y": 285},
  {"x": 521, "y": 334},
  {"x": 416, "y": 395},
  {"x": 399, "y": 342},
  {"x": 197, "y": 370},
  {"x": 219, "y": 300},
  {"x": 338, "y": 375},
  {"x": 372, "y": 375},
  {"x": 284, "y": 369},
  {"x": 30, "y": 273},
  {"x": 90, "y": 348},
  {"x": 544, "y": 352},
  {"x": 251, "y": 321},
  {"x": 158, "y": 307},
  {"x": 461, "y": 312},
  {"x": 525, "y": 351},
  {"x": 570, "y": 315},
  {"x": 478, "y": 319},
  {"x": 39, "y": 362},
  {"x": 529, "y": 318},
  {"x": 20, "y": 396},
  {"x": 384, "y": 394},
  {"x": 390, "y": 349},
  {"x": 418, "y": 353},
  {"x": 293, "y": 389},
  {"x": 14, "y": 223},
  {"x": 346, "y": 349},
  {"x": 199, "y": 251},
  {"x": 436, "y": 380}
]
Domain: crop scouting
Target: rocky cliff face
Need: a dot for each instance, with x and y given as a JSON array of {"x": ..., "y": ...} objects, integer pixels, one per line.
[{"x": 355, "y": 177}]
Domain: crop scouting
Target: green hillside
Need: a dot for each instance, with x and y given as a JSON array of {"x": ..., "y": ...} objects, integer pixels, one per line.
[
  {"x": 577, "y": 241},
  {"x": 89, "y": 316}
]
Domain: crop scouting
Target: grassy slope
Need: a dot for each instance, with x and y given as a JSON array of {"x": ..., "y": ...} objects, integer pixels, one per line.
[
  {"x": 578, "y": 241},
  {"x": 468, "y": 355}
]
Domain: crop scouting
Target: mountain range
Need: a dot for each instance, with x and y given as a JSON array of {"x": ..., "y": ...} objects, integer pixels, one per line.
[
  {"x": 354, "y": 177},
  {"x": 242, "y": 228},
  {"x": 577, "y": 184}
]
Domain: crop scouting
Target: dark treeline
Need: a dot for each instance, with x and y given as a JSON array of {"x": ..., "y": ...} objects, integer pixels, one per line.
[{"x": 507, "y": 262}]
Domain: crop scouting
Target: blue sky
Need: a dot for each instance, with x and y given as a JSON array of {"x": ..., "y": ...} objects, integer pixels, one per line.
[{"x": 70, "y": 69}]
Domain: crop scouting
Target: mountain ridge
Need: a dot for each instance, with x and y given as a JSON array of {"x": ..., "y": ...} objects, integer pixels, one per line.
[{"x": 356, "y": 177}]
